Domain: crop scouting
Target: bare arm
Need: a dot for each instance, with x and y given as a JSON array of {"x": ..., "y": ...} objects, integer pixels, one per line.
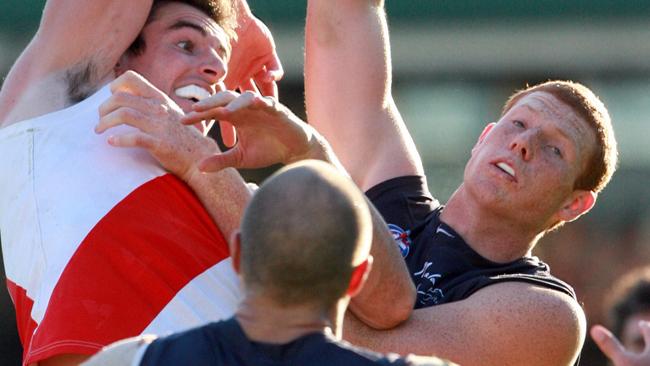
[
  {"x": 178, "y": 148},
  {"x": 270, "y": 133},
  {"x": 503, "y": 324},
  {"x": 349, "y": 101},
  {"x": 76, "y": 39},
  {"x": 348, "y": 90}
]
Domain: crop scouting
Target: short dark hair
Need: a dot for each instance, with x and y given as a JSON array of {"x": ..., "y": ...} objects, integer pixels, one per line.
[
  {"x": 629, "y": 296},
  {"x": 602, "y": 163},
  {"x": 221, "y": 11},
  {"x": 302, "y": 234}
]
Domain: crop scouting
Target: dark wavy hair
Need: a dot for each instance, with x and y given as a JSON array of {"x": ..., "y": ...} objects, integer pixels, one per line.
[{"x": 221, "y": 11}]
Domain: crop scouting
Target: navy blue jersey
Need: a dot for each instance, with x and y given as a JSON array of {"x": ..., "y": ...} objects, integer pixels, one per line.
[
  {"x": 443, "y": 267},
  {"x": 225, "y": 343}
]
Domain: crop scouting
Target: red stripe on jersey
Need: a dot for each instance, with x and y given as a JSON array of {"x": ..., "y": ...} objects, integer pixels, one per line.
[
  {"x": 131, "y": 264},
  {"x": 23, "y": 305}
]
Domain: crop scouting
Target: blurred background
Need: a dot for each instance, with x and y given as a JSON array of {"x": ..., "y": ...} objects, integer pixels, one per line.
[{"x": 454, "y": 64}]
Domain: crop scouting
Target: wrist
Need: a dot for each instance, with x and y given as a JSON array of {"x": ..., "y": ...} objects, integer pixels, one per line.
[
  {"x": 318, "y": 148},
  {"x": 203, "y": 148}
]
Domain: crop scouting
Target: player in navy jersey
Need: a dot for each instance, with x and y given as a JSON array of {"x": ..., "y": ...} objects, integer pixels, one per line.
[
  {"x": 483, "y": 299},
  {"x": 302, "y": 253}
]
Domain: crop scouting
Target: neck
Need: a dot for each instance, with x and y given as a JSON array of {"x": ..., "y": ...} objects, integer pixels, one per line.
[
  {"x": 499, "y": 238},
  {"x": 264, "y": 320}
]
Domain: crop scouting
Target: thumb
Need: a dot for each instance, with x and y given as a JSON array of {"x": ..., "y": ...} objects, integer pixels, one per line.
[
  {"x": 607, "y": 343},
  {"x": 219, "y": 161}
]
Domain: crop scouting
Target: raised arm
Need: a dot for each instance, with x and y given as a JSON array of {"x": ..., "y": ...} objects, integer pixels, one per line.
[
  {"x": 270, "y": 133},
  {"x": 348, "y": 90},
  {"x": 74, "y": 50}
]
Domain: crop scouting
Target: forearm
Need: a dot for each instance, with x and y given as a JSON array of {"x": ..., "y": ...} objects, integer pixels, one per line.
[
  {"x": 224, "y": 195},
  {"x": 388, "y": 296},
  {"x": 348, "y": 90},
  {"x": 102, "y": 31}
]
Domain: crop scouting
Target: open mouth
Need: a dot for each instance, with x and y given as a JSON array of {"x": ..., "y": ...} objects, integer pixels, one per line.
[
  {"x": 192, "y": 92},
  {"x": 507, "y": 169}
]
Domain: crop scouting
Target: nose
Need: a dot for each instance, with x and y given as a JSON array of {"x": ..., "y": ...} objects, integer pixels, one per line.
[
  {"x": 523, "y": 144},
  {"x": 213, "y": 67}
]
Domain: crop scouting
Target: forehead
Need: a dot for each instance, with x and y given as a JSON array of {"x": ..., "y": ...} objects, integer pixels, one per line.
[
  {"x": 557, "y": 116},
  {"x": 173, "y": 15}
]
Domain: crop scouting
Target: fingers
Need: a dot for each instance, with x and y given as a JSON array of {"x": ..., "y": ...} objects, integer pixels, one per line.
[
  {"x": 228, "y": 133},
  {"x": 266, "y": 88},
  {"x": 267, "y": 79},
  {"x": 274, "y": 69},
  {"x": 216, "y": 162},
  {"x": 124, "y": 115},
  {"x": 134, "y": 83},
  {"x": 127, "y": 100},
  {"x": 220, "y": 99},
  {"x": 269, "y": 89},
  {"x": 134, "y": 139},
  {"x": 243, "y": 101},
  {"x": 209, "y": 108},
  {"x": 248, "y": 85},
  {"x": 225, "y": 108},
  {"x": 607, "y": 343}
]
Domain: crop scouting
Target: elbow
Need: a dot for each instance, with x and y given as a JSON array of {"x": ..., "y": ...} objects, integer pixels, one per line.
[
  {"x": 394, "y": 312},
  {"x": 402, "y": 309}
]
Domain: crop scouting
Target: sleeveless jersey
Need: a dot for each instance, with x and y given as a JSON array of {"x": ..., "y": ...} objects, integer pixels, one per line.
[
  {"x": 442, "y": 266},
  {"x": 100, "y": 243},
  {"x": 225, "y": 343}
]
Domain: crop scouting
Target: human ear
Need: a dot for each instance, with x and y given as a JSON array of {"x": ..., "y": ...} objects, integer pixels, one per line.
[
  {"x": 485, "y": 132},
  {"x": 578, "y": 204},
  {"x": 359, "y": 276}
]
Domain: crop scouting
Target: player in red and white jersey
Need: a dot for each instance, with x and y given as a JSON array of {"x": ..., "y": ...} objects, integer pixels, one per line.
[{"x": 102, "y": 243}]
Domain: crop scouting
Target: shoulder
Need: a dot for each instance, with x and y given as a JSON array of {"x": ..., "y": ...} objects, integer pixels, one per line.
[
  {"x": 403, "y": 201},
  {"x": 545, "y": 324}
]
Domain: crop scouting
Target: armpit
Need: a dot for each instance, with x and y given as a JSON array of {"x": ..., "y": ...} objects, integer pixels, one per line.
[{"x": 82, "y": 81}]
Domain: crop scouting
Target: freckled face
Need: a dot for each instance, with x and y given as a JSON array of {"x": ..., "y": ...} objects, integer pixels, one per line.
[{"x": 530, "y": 159}]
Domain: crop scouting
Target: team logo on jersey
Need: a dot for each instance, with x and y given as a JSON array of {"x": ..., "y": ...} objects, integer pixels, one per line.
[{"x": 402, "y": 238}]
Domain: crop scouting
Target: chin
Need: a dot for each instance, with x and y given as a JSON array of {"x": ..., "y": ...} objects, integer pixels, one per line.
[{"x": 485, "y": 191}]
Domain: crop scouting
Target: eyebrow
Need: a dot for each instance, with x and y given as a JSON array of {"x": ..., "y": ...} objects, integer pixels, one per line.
[{"x": 185, "y": 24}]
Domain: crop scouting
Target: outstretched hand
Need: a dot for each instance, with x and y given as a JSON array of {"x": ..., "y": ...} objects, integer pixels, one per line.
[
  {"x": 157, "y": 122},
  {"x": 268, "y": 132},
  {"x": 614, "y": 350},
  {"x": 254, "y": 64}
]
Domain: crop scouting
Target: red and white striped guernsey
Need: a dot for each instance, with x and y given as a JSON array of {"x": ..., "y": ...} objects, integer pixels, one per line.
[{"x": 100, "y": 243}]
